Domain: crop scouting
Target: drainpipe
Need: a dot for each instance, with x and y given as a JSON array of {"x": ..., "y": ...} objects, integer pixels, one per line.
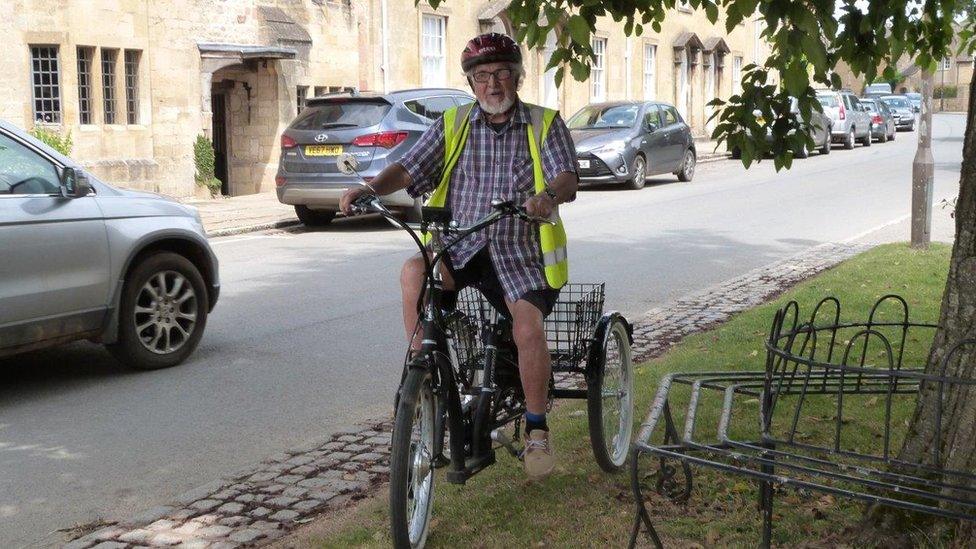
[
  {"x": 386, "y": 48},
  {"x": 628, "y": 69}
]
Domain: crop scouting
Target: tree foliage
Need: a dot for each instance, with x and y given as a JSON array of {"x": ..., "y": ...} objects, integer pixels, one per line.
[{"x": 807, "y": 39}]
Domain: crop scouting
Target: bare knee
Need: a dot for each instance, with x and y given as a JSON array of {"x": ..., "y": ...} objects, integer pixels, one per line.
[
  {"x": 412, "y": 274},
  {"x": 528, "y": 333}
]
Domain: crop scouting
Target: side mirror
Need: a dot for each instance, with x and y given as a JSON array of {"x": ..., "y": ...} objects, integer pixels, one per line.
[
  {"x": 74, "y": 184},
  {"x": 348, "y": 164},
  {"x": 916, "y": 109},
  {"x": 651, "y": 127}
]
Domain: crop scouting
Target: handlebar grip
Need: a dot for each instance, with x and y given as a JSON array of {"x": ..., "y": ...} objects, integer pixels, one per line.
[{"x": 365, "y": 203}]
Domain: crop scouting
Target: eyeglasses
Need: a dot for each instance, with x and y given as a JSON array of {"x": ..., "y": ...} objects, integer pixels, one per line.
[{"x": 482, "y": 77}]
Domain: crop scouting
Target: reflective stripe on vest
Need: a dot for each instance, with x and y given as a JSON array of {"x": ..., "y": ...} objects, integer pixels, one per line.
[{"x": 552, "y": 238}]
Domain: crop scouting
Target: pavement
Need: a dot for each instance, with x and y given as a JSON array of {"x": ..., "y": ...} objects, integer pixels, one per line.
[{"x": 227, "y": 216}]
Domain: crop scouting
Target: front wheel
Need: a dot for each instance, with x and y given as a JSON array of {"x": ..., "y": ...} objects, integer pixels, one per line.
[
  {"x": 162, "y": 314},
  {"x": 610, "y": 400},
  {"x": 640, "y": 174},
  {"x": 411, "y": 461}
]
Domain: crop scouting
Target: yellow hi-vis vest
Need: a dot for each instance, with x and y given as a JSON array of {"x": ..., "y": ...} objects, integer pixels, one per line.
[{"x": 551, "y": 237}]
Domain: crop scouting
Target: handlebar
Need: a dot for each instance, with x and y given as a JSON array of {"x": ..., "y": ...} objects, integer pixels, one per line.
[{"x": 369, "y": 203}]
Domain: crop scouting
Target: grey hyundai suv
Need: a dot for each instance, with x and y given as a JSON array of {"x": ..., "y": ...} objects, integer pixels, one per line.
[
  {"x": 84, "y": 260},
  {"x": 376, "y": 129}
]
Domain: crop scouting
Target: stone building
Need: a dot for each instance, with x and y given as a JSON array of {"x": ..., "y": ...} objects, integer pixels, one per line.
[{"x": 135, "y": 82}]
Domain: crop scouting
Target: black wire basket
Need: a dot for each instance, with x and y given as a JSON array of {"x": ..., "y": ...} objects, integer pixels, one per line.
[{"x": 569, "y": 328}]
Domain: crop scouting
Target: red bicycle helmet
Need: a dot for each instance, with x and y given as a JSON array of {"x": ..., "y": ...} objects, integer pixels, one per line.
[{"x": 490, "y": 48}]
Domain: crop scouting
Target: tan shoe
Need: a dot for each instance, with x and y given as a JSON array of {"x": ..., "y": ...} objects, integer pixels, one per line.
[{"x": 538, "y": 457}]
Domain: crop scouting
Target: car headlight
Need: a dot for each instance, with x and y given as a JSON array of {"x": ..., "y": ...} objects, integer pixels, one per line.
[{"x": 610, "y": 148}]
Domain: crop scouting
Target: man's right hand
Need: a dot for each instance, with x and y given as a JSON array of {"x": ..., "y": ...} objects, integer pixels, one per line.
[{"x": 350, "y": 196}]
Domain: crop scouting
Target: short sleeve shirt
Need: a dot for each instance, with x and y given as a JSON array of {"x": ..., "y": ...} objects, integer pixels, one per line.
[{"x": 495, "y": 164}]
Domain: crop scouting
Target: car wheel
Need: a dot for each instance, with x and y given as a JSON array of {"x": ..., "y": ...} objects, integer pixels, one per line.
[
  {"x": 687, "y": 167},
  {"x": 894, "y": 133},
  {"x": 884, "y": 137},
  {"x": 162, "y": 313},
  {"x": 639, "y": 170},
  {"x": 314, "y": 218},
  {"x": 867, "y": 139},
  {"x": 849, "y": 142},
  {"x": 804, "y": 152},
  {"x": 825, "y": 148}
]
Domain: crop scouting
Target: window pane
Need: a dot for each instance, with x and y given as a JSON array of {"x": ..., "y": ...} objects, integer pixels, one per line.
[
  {"x": 432, "y": 63},
  {"x": 650, "y": 72},
  {"x": 132, "y": 86},
  {"x": 597, "y": 71},
  {"x": 85, "y": 56},
  {"x": 46, "y": 87},
  {"x": 23, "y": 171},
  {"x": 108, "y": 84}
]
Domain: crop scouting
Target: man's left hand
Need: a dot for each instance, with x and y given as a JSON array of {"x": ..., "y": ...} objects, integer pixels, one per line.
[{"x": 540, "y": 205}]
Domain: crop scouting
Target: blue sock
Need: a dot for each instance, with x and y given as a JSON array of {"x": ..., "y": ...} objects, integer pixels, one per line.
[{"x": 535, "y": 421}]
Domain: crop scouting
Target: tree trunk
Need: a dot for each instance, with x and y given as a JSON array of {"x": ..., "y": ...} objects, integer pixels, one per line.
[{"x": 956, "y": 443}]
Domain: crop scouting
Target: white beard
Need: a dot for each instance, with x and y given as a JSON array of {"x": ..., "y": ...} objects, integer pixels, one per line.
[{"x": 500, "y": 108}]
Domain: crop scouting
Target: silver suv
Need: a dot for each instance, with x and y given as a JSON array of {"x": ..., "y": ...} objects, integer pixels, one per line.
[
  {"x": 376, "y": 129},
  {"x": 850, "y": 121},
  {"x": 84, "y": 260}
]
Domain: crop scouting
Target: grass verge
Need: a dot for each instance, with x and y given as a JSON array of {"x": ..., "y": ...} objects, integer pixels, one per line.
[{"x": 581, "y": 506}]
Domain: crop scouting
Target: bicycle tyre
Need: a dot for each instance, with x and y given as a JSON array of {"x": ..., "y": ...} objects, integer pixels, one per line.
[
  {"x": 412, "y": 480},
  {"x": 610, "y": 400}
]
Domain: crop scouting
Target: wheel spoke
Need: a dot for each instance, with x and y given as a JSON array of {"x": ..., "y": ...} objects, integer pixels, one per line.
[
  {"x": 142, "y": 327},
  {"x": 187, "y": 294},
  {"x": 161, "y": 281},
  {"x": 177, "y": 284}
]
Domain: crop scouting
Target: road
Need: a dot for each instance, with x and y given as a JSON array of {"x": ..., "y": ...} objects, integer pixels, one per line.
[{"x": 306, "y": 336}]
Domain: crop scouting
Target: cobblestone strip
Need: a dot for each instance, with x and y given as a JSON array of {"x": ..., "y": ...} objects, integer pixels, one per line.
[{"x": 262, "y": 504}]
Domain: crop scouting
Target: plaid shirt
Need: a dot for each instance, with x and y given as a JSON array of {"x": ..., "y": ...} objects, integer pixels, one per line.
[{"x": 494, "y": 165}]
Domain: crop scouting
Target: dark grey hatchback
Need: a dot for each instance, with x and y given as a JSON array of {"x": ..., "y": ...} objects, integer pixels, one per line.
[
  {"x": 377, "y": 129},
  {"x": 626, "y": 141}
]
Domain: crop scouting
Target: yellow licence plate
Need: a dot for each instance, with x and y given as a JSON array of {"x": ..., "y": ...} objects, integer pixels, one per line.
[{"x": 323, "y": 150}]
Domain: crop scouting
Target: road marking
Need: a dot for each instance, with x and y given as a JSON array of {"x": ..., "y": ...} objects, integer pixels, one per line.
[{"x": 877, "y": 228}]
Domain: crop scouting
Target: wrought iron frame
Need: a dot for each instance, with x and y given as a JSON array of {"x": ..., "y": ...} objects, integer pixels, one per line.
[{"x": 777, "y": 458}]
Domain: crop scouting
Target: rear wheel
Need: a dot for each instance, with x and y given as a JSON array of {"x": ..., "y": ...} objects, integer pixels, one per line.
[
  {"x": 867, "y": 139},
  {"x": 639, "y": 170},
  {"x": 894, "y": 132},
  {"x": 803, "y": 152},
  {"x": 314, "y": 218},
  {"x": 825, "y": 147},
  {"x": 610, "y": 400},
  {"x": 411, "y": 461},
  {"x": 849, "y": 142},
  {"x": 884, "y": 136},
  {"x": 687, "y": 172}
]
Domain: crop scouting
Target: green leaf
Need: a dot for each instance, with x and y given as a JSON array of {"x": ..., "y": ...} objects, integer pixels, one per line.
[
  {"x": 579, "y": 70},
  {"x": 711, "y": 11},
  {"x": 559, "y": 75},
  {"x": 579, "y": 30}
]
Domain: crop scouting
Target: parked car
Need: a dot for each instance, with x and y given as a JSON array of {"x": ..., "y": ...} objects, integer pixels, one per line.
[
  {"x": 882, "y": 122},
  {"x": 377, "y": 129},
  {"x": 915, "y": 99},
  {"x": 849, "y": 122},
  {"x": 819, "y": 125},
  {"x": 903, "y": 111},
  {"x": 878, "y": 88},
  {"x": 626, "y": 141},
  {"x": 85, "y": 260}
]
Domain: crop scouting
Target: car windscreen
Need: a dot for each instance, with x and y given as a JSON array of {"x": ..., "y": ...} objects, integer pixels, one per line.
[
  {"x": 827, "y": 100},
  {"x": 898, "y": 102},
  {"x": 913, "y": 95},
  {"x": 612, "y": 116},
  {"x": 341, "y": 114},
  {"x": 869, "y": 104}
]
